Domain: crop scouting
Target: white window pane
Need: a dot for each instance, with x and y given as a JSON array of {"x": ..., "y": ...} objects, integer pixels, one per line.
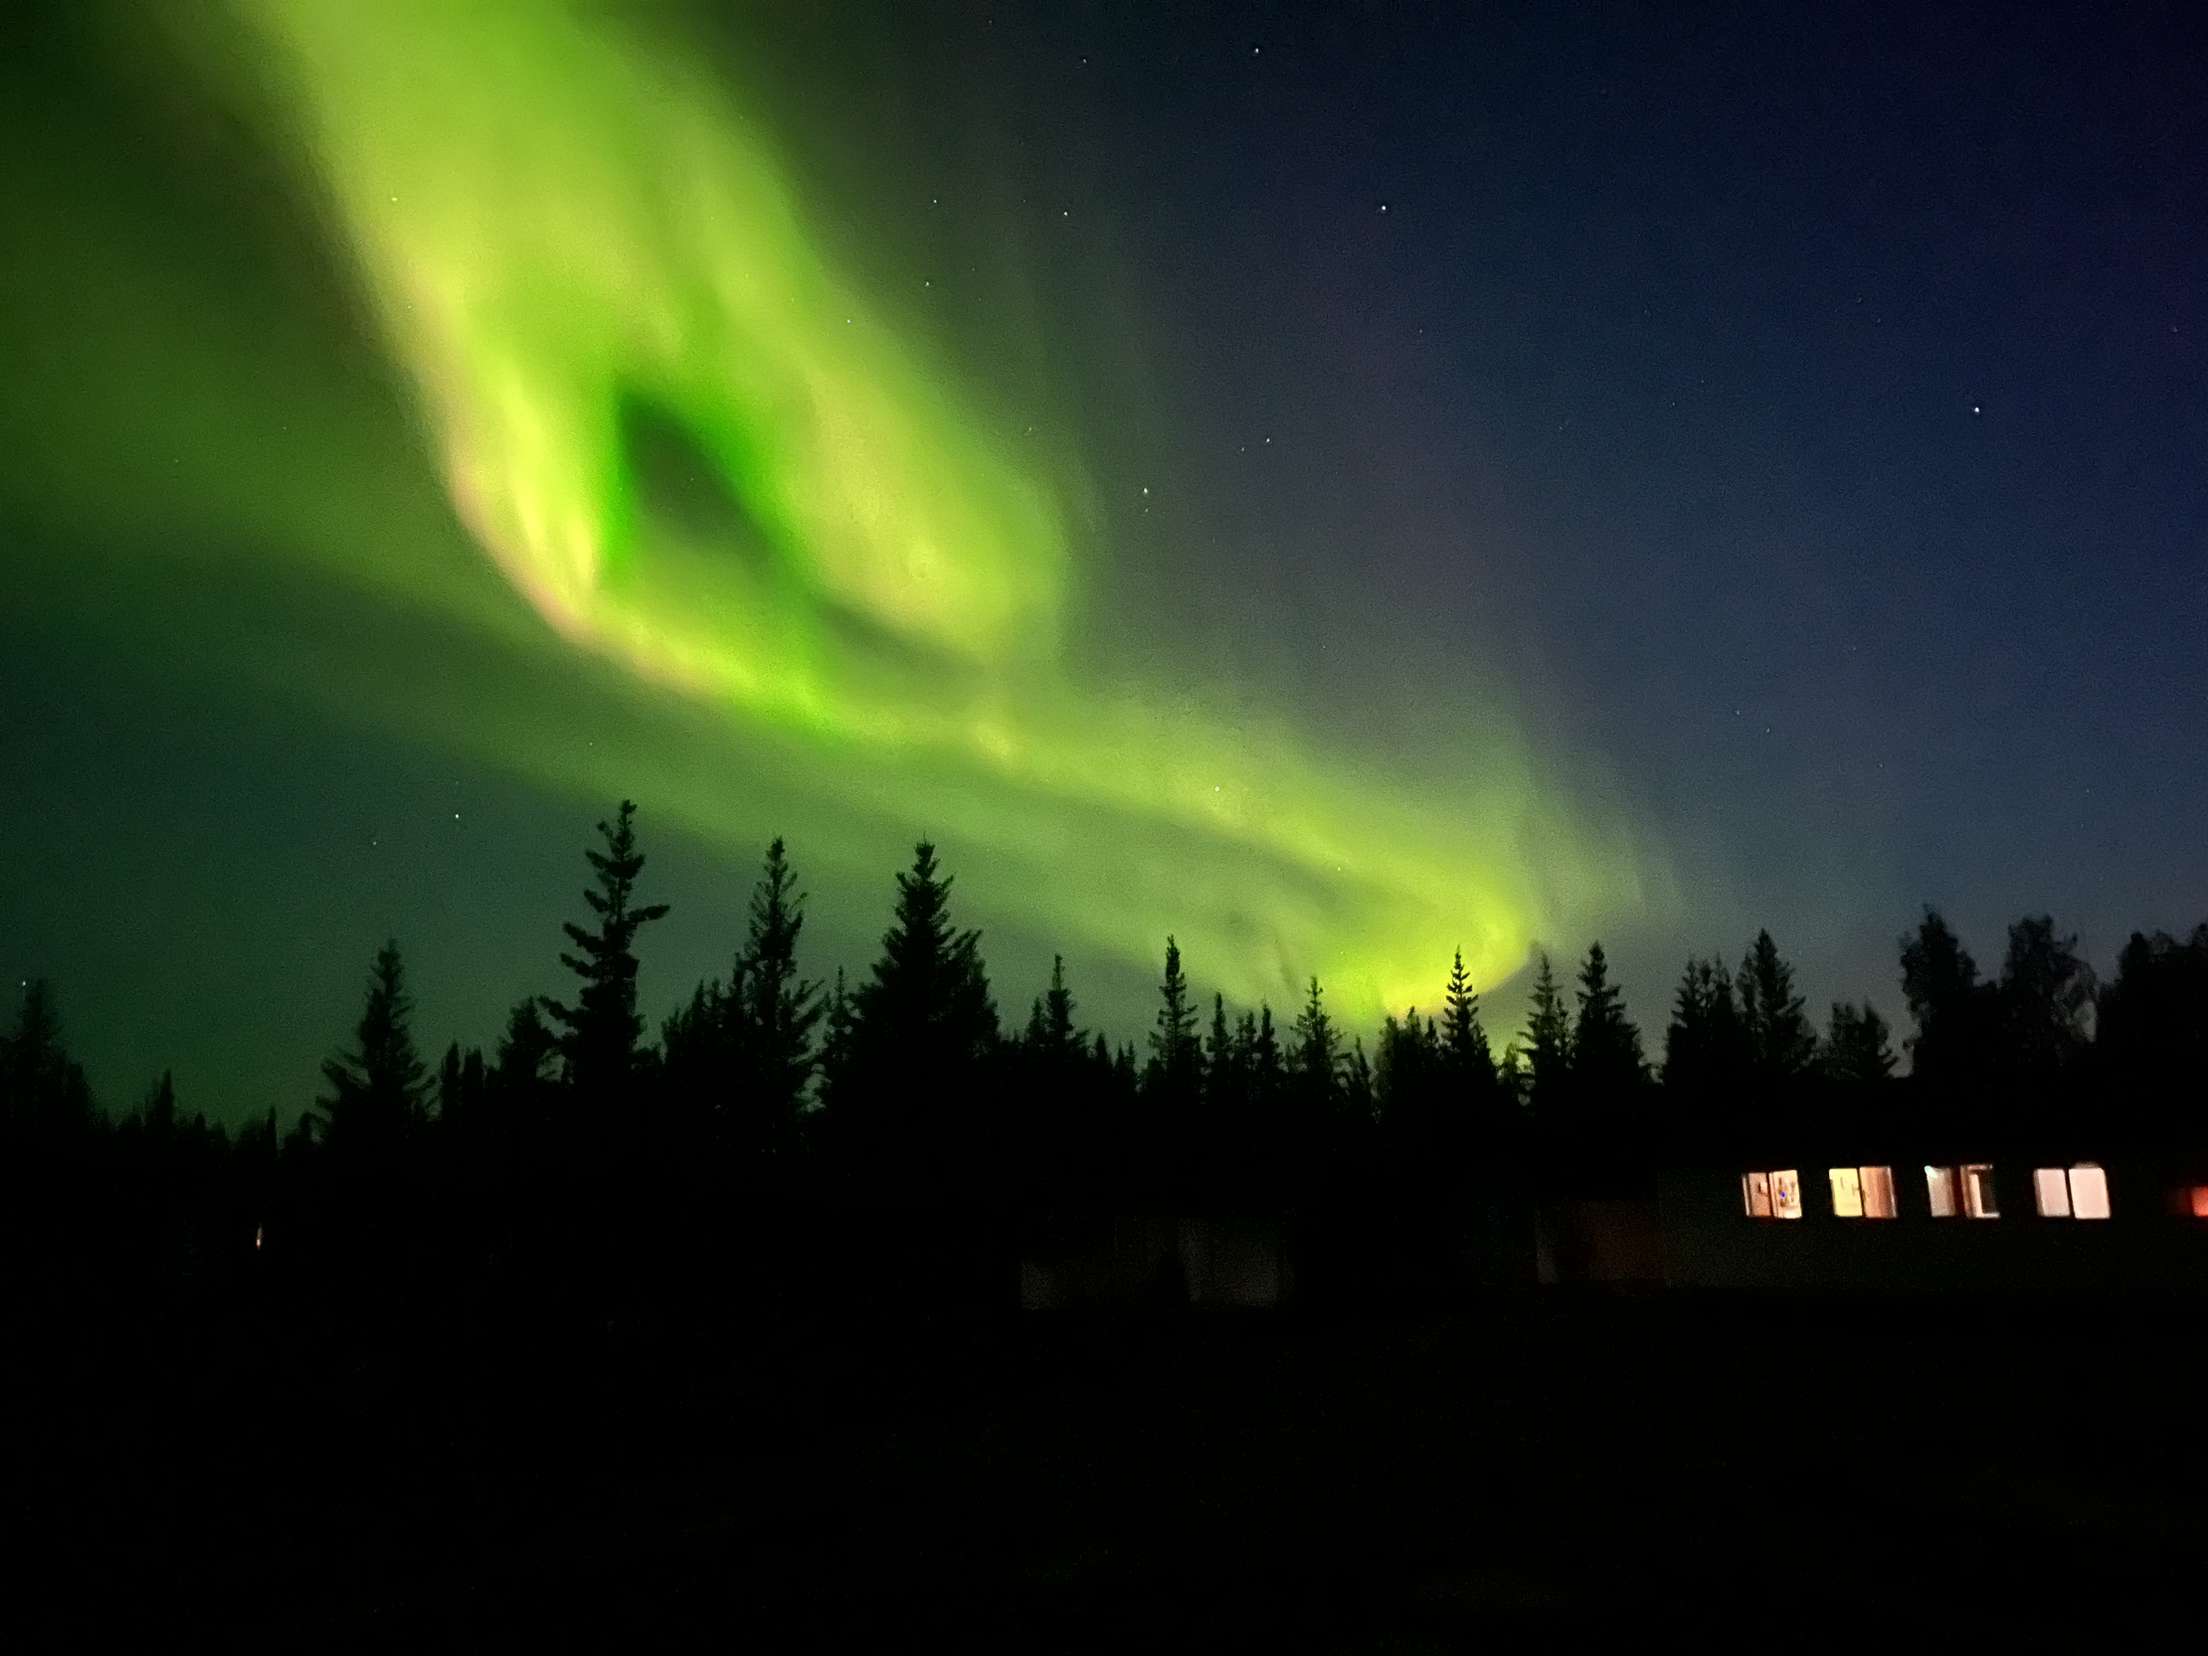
[
  {"x": 1847, "y": 1192},
  {"x": 1878, "y": 1193},
  {"x": 2051, "y": 1192},
  {"x": 1939, "y": 1184},
  {"x": 2088, "y": 1191},
  {"x": 1979, "y": 1201},
  {"x": 1786, "y": 1194}
]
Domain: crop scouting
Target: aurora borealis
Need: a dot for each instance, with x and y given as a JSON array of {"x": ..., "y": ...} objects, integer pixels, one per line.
[
  {"x": 594, "y": 233},
  {"x": 1027, "y": 431}
]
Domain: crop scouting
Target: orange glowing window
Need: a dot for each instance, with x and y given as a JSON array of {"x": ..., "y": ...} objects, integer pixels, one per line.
[
  {"x": 2199, "y": 1195},
  {"x": 1786, "y": 1194},
  {"x": 1863, "y": 1192},
  {"x": 1939, "y": 1186},
  {"x": 1755, "y": 1194},
  {"x": 1879, "y": 1201},
  {"x": 1773, "y": 1195}
]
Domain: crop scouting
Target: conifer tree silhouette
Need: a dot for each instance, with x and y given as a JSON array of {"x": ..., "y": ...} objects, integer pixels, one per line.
[
  {"x": 779, "y": 1009},
  {"x": 922, "y": 1026},
  {"x": 1547, "y": 1044},
  {"x": 1470, "y": 1060},
  {"x": 378, "y": 1089},
  {"x": 1606, "y": 1047},
  {"x": 600, "y": 1031},
  {"x": 1858, "y": 1053},
  {"x": 1781, "y": 1042},
  {"x": 1175, "y": 1067},
  {"x": 1705, "y": 1048},
  {"x": 1317, "y": 1047}
]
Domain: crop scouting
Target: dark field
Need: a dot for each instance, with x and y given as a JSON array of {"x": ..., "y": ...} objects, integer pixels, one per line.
[{"x": 1777, "y": 1471}]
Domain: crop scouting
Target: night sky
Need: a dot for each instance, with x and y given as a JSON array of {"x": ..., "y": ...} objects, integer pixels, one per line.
[{"x": 1331, "y": 482}]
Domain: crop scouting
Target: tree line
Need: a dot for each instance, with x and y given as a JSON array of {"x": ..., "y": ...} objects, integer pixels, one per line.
[{"x": 910, "y": 1087}]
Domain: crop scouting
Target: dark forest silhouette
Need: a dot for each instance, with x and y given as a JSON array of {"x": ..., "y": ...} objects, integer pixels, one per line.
[{"x": 581, "y": 1150}]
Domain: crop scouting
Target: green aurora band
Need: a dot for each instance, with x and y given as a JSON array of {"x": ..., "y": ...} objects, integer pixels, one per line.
[{"x": 570, "y": 239}]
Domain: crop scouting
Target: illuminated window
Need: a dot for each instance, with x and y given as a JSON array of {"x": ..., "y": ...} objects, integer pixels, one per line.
[
  {"x": 2199, "y": 1195},
  {"x": 2051, "y": 1192},
  {"x": 1847, "y": 1192},
  {"x": 2089, "y": 1191},
  {"x": 1755, "y": 1194},
  {"x": 1878, "y": 1193},
  {"x": 1862, "y": 1192},
  {"x": 2079, "y": 1193},
  {"x": 1979, "y": 1200},
  {"x": 1939, "y": 1184},
  {"x": 1786, "y": 1194},
  {"x": 1775, "y": 1195}
]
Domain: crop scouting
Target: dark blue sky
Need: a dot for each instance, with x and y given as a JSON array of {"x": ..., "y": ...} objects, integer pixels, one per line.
[
  {"x": 1798, "y": 419},
  {"x": 1804, "y": 414}
]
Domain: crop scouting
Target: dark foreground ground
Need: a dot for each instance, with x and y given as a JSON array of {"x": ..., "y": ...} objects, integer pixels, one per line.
[{"x": 1771, "y": 1472}]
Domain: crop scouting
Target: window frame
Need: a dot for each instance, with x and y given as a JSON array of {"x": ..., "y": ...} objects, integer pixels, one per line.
[
  {"x": 1942, "y": 1186},
  {"x": 1975, "y": 1191},
  {"x": 1863, "y": 1183},
  {"x": 1774, "y": 1189},
  {"x": 2071, "y": 1207}
]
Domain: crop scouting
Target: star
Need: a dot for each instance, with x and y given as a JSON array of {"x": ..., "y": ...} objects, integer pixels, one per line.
[{"x": 1975, "y": 409}]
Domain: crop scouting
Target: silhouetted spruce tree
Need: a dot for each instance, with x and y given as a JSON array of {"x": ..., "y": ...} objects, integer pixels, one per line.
[
  {"x": 1547, "y": 1043},
  {"x": 779, "y": 1008},
  {"x": 1124, "y": 1072},
  {"x": 601, "y": 1030},
  {"x": 1514, "y": 1080},
  {"x": 839, "y": 1022},
  {"x": 1358, "y": 1096},
  {"x": 1858, "y": 1054},
  {"x": 1607, "y": 1065},
  {"x": 528, "y": 1053},
  {"x": 1316, "y": 1045},
  {"x": 1268, "y": 1068},
  {"x": 42, "y": 1089},
  {"x": 1222, "y": 1055},
  {"x": 1705, "y": 1047},
  {"x": 1061, "y": 1036},
  {"x": 378, "y": 1090},
  {"x": 1175, "y": 1059},
  {"x": 1051, "y": 1039},
  {"x": 1468, "y": 1060},
  {"x": 1781, "y": 1042},
  {"x": 1054, "y": 1104},
  {"x": 450, "y": 1105},
  {"x": 924, "y": 1025},
  {"x": 158, "y": 1113},
  {"x": 1411, "y": 1073},
  {"x": 697, "y": 1056}
]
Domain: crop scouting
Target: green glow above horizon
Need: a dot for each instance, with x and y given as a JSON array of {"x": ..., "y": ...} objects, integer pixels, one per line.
[{"x": 568, "y": 236}]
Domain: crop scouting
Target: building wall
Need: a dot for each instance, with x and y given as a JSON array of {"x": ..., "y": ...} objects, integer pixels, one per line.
[{"x": 1709, "y": 1242}]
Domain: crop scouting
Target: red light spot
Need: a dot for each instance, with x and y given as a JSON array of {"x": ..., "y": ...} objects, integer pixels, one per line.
[{"x": 2200, "y": 1201}]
